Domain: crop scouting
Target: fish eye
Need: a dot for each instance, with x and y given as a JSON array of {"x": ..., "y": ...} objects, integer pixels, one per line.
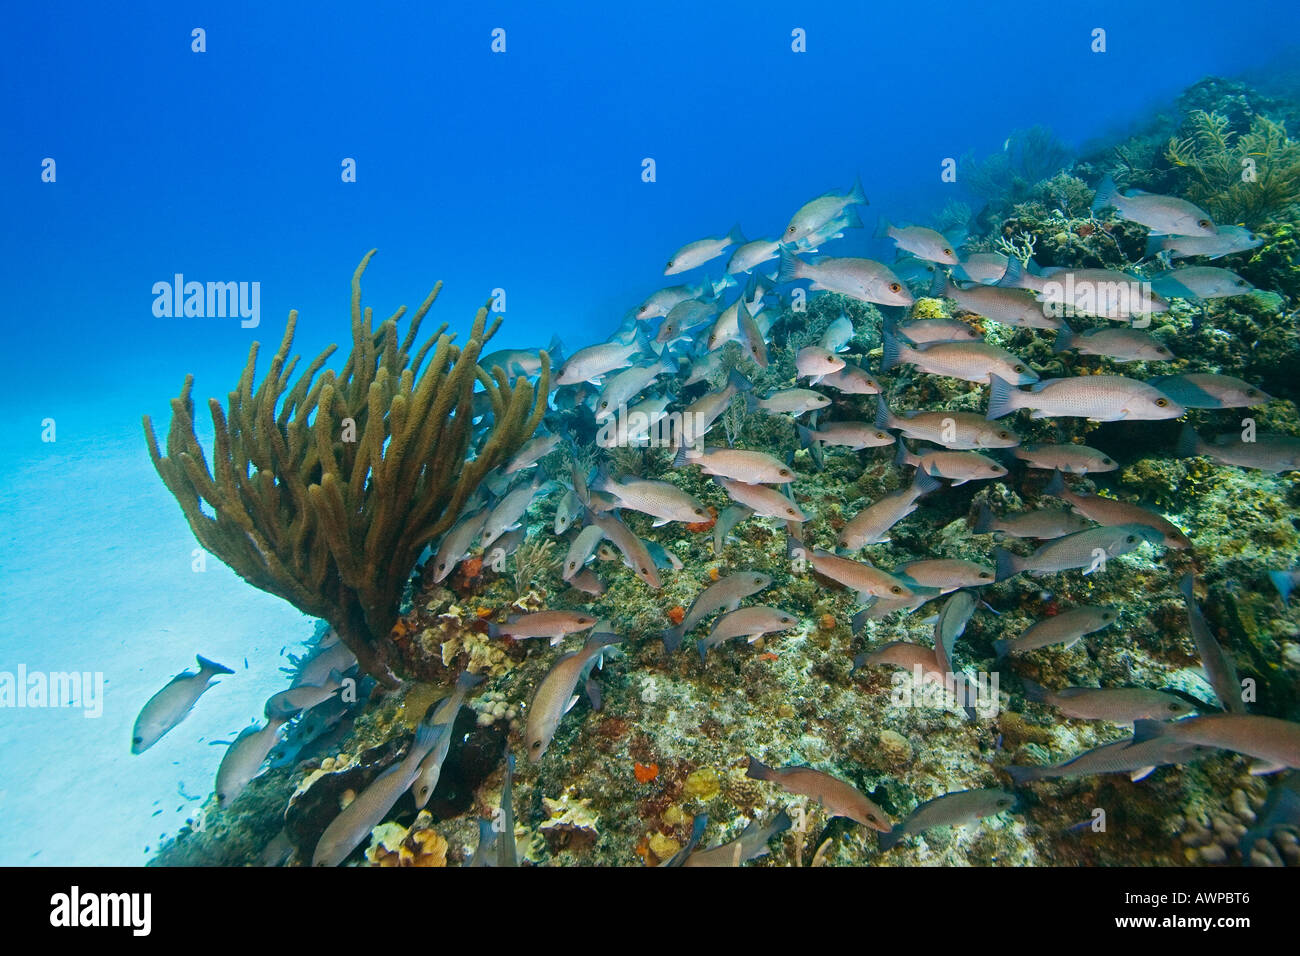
[
  {"x": 790, "y": 512},
  {"x": 1251, "y": 393},
  {"x": 137, "y": 740},
  {"x": 985, "y": 574},
  {"x": 644, "y": 571},
  {"x": 1017, "y": 368},
  {"x": 536, "y": 744},
  {"x": 1004, "y": 434},
  {"x": 872, "y": 817},
  {"x": 758, "y": 580},
  {"x": 1130, "y": 539},
  {"x": 947, "y": 252},
  {"x": 1161, "y": 402},
  {"x": 1204, "y": 223},
  {"x": 895, "y": 287},
  {"x": 896, "y": 590},
  {"x": 1107, "y": 461},
  {"x": 699, "y": 511},
  {"x": 1173, "y": 706}
]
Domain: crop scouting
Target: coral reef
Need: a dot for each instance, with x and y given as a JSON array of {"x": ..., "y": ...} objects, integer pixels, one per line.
[{"x": 329, "y": 501}]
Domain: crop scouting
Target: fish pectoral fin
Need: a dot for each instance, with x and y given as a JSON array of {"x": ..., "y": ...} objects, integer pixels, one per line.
[
  {"x": 569, "y": 706},
  {"x": 1141, "y": 773},
  {"x": 556, "y": 639},
  {"x": 753, "y": 637}
]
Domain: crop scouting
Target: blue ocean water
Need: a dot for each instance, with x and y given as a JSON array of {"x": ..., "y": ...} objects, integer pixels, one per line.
[{"x": 519, "y": 171}]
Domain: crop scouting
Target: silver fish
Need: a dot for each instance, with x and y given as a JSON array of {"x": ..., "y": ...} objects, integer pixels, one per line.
[
  {"x": 1117, "y": 705},
  {"x": 969, "y": 361},
  {"x": 872, "y": 524},
  {"x": 444, "y": 718},
  {"x": 1084, "y": 549},
  {"x": 1103, "y": 398},
  {"x": 818, "y": 212},
  {"x": 243, "y": 758},
  {"x": 1109, "y": 511},
  {"x": 762, "y": 500},
  {"x": 838, "y": 334},
  {"x": 506, "y": 514},
  {"x": 725, "y": 593},
  {"x": 1041, "y": 523},
  {"x": 750, "y": 255},
  {"x": 790, "y": 401},
  {"x": 854, "y": 435},
  {"x": 730, "y": 517},
  {"x": 946, "y": 574},
  {"x": 662, "y": 500},
  {"x": 532, "y": 451},
  {"x": 595, "y": 361},
  {"x": 1207, "y": 390},
  {"x": 1275, "y": 743},
  {"x": 852, "y": 380},
  {"x": 1017, "y": 307},
  {"x": 1200, "y": 282},
  {"x": 863, "y": 279},
  {"x": 930, "y": 331},
  {"x": 1219, "y": 666},
  {"x": 633, "y": 549},
  {"x": 1167, "y": 215},
  {"x": 958, "y": 466},
  {"x": 1121, "y": 345},
  {"x": 924, "y": 243},
  {"x": 750, "y": 623},
  {"x": 167, "y": 708},
  {"x": 1273, "y": 454},
  {"x": 957, "y": 430},
  {"x": 866, "y": 579},
  {"x": 1119, "y": 756},
  {"x": 815, "y": 362},
  {"x": 1225, "y": 241},
  {"x": 302, "y": 697},
  {"x": 581, "y": 548},
  {"x": 623, "y": 386},
  {"x": 567, "y": 510},
  {"x": 750, "y": 845},
  {"x": 1071, "y": 459},
  {"x": 839, "y": 798},
  {"x": 368, "y": 809},
  {"x": 751, "y": 467},
  {"x": 555, "y": 695},
  {"x": 1065, "y": 628},
  {"x": 695, "y": 254},
  {"x": 554, "y": 625},
  {"x": 952, "y": 809}
]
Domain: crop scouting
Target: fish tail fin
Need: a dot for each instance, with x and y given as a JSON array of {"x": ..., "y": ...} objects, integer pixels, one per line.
[
  {"x": 494, "y": 629},
  {"x": 1001, "y": 648},
  {"x": 856, "y": 624},
  {"x": 467, "y": 681},
  {"x": 1014, "y": 276},
  {"x": 902, "y": 456},
  {"x": 672, "y": 638},
  {"x": 681, "y": 459},
  {"x": 1056, "y": 485},
  {"x": 1022, "y": 775},
  {"x": 751, "y": 403},
  {"x": 1002, "y": 398},
  {"x": 212, "y": 666},
  {"x": 939, "y": 283},
  {"x": 1064, "y": 339},
  {"x": 702, "y": 646},
  {"x": 884, "y": 417},
  {"x": 758, "y": 770},
  {"x": 737, "y": 380},
  {"x": 883, "y": 229},
  {"x": 924, "y": 483},
  {"x": 1106, "y": 193},
  {"x": 856, "y": 194},
  {"x": 556, "y": 351},
  {"x": 789, "y": 270},
  {"x": 1282, "y": 581},
  {"x": 889, "y": 838},
  {"x": 1189, "y": 443},
  {"x": 1186, "y": 586},
  {"x": 1008, "y": 564},
  {"x": 1144, "y": 730},
  {"x": 851, "y": 218},
  {"x": 1034, "y": 690},
  {"x": 983, "y": 519},
  {"x": 891, "y": 350},
  {"x": 736, "y": 236}
]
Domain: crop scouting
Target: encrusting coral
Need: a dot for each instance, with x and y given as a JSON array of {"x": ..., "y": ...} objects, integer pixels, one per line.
[{"x": 329, "y": 502}]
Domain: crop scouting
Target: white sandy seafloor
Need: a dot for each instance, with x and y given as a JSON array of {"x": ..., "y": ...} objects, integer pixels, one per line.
[{"x": 95, "y": 575}]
